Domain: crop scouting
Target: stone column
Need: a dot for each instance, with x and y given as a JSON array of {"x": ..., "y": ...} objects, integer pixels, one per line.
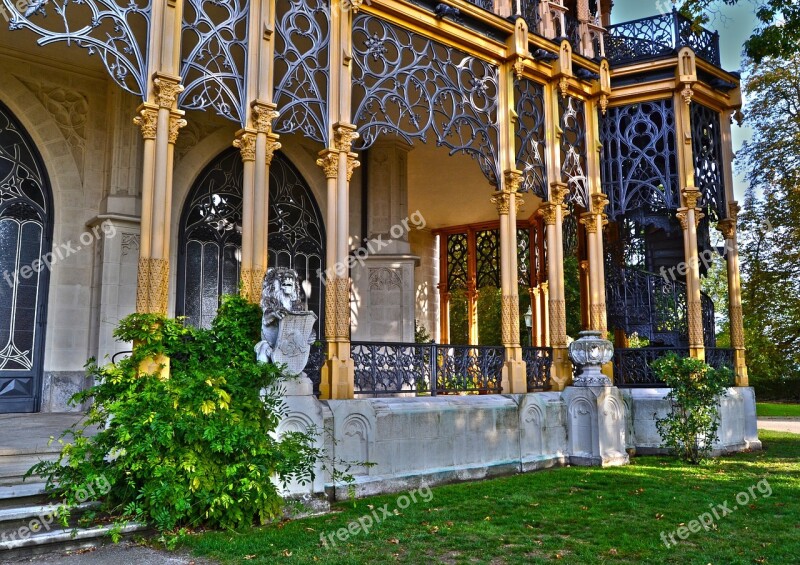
[
  {"x": 383, "y": 270},
  {"x": 690, "y": 216},
  {"x": 508, "y": 201},
  {"x": 728, "y": 229},
  {"x": 593, "y": 223}
]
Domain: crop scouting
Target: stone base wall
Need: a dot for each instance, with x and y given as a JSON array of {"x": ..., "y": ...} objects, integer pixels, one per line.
[{"x": 398, "y": 444}]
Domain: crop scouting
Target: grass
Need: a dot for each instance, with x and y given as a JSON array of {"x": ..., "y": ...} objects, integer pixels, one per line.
[
  {"x": 573, "y": 515},
  {"x": 776, "y": 409}
]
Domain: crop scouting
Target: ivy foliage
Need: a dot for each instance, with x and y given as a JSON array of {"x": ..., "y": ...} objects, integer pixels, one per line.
[
  {"x": 690, "y": 428},
  {"x": 196, "y": 448}
]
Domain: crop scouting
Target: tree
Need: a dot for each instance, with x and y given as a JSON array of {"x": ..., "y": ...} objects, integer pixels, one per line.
[
  {"x": 769, "y": 236},
  {"x": 778, "y": 32}
]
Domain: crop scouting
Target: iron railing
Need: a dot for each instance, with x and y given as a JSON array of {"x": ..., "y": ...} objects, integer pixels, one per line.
[
  {"x": 658, "y": 36},
  {"x": 426, "y": 368},
  {"x": 719, "y": 357},
  {"x": 632, "y": 365},
  {"x": 538, "y": 361}
]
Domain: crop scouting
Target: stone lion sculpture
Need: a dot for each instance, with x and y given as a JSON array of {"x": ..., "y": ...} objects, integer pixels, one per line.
[{"x": 287, "y": 327}]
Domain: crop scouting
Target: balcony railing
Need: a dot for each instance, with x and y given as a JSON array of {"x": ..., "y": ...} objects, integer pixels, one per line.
[
  {"x": 426, "y": 368},
  {"x": 659, "y": 36},
  {"x": 632, "y": 365},
  {"x": 538, "y": 361}
]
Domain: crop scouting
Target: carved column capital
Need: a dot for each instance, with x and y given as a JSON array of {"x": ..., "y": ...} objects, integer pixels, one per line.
[
  {"x": 682, "y": 217},
  {"x": 512, "y": 179},
  {"x": 343, "y": 137},
  {"x": 589, "y": 221},
  {"x": 599, "y": 202},
  {"x": 272, "y": 146},
  {"x": 147, "y": 120},
  {"x": 352, "y": 164},
  {"x": 691, "y": 196},
  {"x": 733, "y": 210},
  {"x": 727, "y": 227},
  {"x": 502, "y": 200},
  {"x": 558, "y": 192},
  {"x": 166, "y": 89},
  {"x": 263, "y": 115},
  {"x": 329, "y": 162},
  {"x": 548, "y": 212},
  {"x": 176, "y": 122},
  {"x": 245, "y": 142}
]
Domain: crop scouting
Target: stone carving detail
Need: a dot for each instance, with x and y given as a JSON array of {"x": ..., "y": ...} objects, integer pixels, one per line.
[
  {"x": 589, "y": 353},
  {"x": 355, "y": 434},
  {"x": 385, "y": 279},
  {"x": 69, "y": 109},
  {"x": 737, "y": 327},
  {"x": 580, "y": 412},
  {"x": 191, "y": 135},
  {"x": 152, "y": 286},
  {"x": 287, "y": 328},
  {"x": 130, "y": 243}
]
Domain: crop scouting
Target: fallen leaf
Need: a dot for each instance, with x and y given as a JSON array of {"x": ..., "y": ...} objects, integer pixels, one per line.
[
  {"x": 394, "y": 541},
  {"x": 249, "y": 557},
  {"x": 287, "y": 553},
  {"x": 659, "y": 516},
  {"x": 613, "y": 551}
]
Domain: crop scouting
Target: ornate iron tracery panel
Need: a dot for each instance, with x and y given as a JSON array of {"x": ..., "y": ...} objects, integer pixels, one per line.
[
  {"x": 25, "y": 236},
  {"x": 409, "y": 85},
  {"x": 707, "y": 151},
  {"x": 530, "y": 136},
  {"x": 487, "y": 260},
  {"x": 210, "y": 235},
  {"x": 640, "y": 164},
  {"x": 524, "y": 263},
  {"x": 215, "y": 34},
  {"x": 115, "y": 30},
  {"x": 457, "y": 253},
  {"x": 301, "y": 64},
  {"x": 573, "y": 149}
]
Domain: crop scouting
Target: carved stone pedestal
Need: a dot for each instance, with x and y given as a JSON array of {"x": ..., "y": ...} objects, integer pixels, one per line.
[{"x": 595, "y": 426}]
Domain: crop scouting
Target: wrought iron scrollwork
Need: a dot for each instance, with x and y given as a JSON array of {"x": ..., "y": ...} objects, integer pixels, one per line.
[
  {"x": 215, "y": 35},
  {"x": 573, "y": 149},
  {"x": 530, "y": 135},
  {"x": 115, "y": 30},
  {"x": 457, "y": 256},
  {"x": 704, "y": 43},
  {"x": 408, "y": 85},
  {"x": 302, "y": 67},
  {"x": 524, "y": 263},
  {"x": 538, "y": 361},
  {"x": 707, "y": 151},
  {"x": 632, "y": 365},
  {"x": 640, "y": 164},
  {"x": 487, "y": 260}
]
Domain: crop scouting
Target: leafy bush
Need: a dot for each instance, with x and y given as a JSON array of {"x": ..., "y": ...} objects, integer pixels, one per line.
[
  {"x": 195, "y": 448},
  {"x": 690, "y": 429}
]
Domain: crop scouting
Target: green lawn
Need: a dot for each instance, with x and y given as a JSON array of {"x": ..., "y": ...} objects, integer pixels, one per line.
[
  {"x": 777, "y": 409},
  {"x": 573, "y": 515}
]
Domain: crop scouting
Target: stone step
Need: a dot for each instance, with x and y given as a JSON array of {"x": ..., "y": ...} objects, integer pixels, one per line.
[
  {"x": 65, "y": 540},
  {"x": 43, "y": 518},
  {"x": 14, "y": 467},
  {"x": 30, "y": 493}
]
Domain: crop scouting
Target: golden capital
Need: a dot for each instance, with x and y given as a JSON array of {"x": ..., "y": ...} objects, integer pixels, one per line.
[
  {"x": 727, "y": 227},
  {"x": 329, "y": 163},
  {"x": 599, "y": 202},
  {"x": 343, "y": 137},
  {"x": 176, "y": 122},
  {"x": 687, "y": 93},
  {"x": 589, "y": 221},
  {"x": 733, "y": 210},
  {"x": 352, "y": 164},
  {"x": 512, "y": 179},
  {"x": 558, "y": 192},
  {"x": 245, "y": 142},
  {"x": 272, "y": 146},
  {"x": 548, "y": 211},
  {"x": 166, "y": 89},
  {"x": 147, "y": 120},
  {"x": 691, "y": 196},
  {"x": 681, "y": 215},
  {"x": 263, "y": 114},
  {"x": 502, "y": 200}
]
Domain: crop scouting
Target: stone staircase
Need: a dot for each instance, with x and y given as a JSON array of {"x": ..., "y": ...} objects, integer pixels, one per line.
[{"x": 29, "y": 523}]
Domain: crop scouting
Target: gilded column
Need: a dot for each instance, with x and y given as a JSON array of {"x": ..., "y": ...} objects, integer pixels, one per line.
[
  {"x": 507, "y": 202},
  {"x": 728, "y": 229}
]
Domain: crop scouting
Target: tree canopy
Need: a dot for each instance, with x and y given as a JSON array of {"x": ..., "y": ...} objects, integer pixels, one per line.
[{"x": 778, "y": 30}]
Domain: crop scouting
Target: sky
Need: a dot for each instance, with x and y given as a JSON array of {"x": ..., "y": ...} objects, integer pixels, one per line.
[{"x": 734, "y": 24}]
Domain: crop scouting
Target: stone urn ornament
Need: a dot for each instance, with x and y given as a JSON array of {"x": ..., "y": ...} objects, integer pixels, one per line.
[
  {"x": 287, "y": 327},
  {"x": 589, "y": 353}
]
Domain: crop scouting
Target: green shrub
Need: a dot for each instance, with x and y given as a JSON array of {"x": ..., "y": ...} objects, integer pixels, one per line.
[
  {"x": 690, "y": 429},
  {"x": 196, "y": 448}
]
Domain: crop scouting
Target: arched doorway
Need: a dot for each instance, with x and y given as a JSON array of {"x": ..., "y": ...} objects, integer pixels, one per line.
[
  {"x": 26, "y": 232},
  {"x": 210, "y": 235}
]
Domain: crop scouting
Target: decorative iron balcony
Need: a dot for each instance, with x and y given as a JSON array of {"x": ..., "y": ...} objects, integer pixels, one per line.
[
  {"x": 632, "y": 365},
  {"x": 538, "y": 361},
  {"x": 659, "y": 36}
]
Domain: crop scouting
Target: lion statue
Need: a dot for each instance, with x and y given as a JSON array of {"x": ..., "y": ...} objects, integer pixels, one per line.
[{"x": 281, "y": 298}]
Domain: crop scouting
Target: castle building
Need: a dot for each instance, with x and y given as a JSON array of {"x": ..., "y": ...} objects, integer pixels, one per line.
[{"x": 496, "y": 174}]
